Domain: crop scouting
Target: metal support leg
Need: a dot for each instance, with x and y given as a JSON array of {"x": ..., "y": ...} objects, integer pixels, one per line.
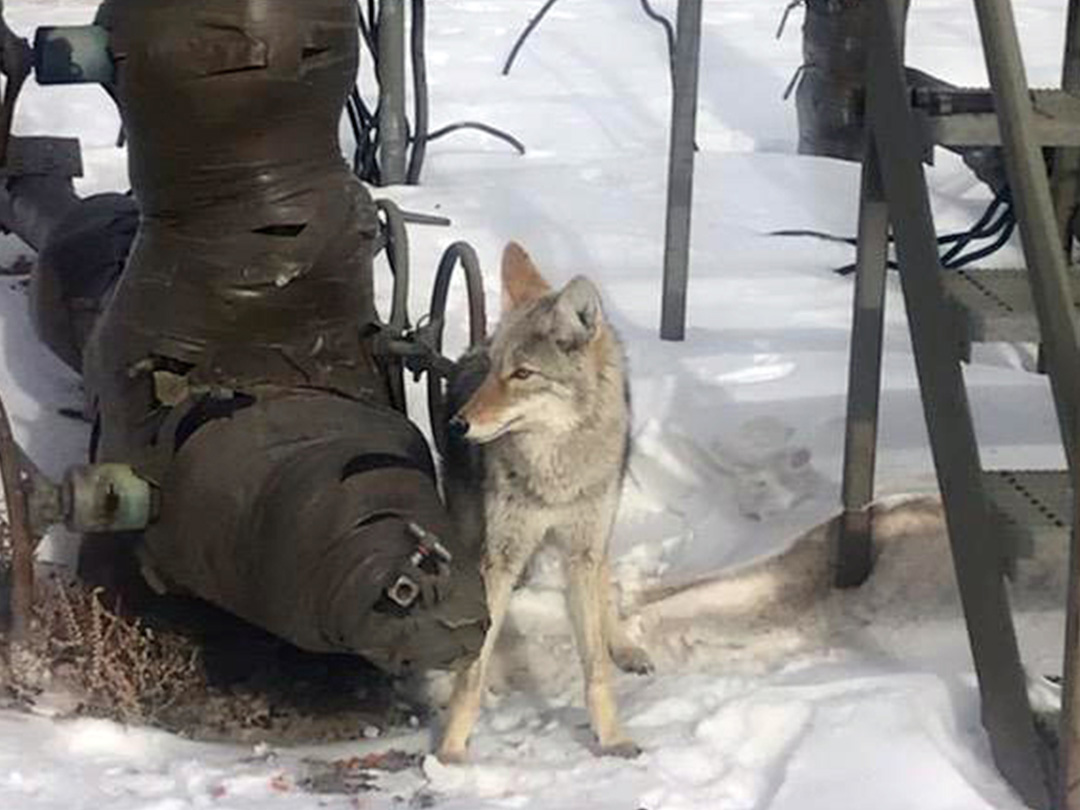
[
  {"x": 853, "y": 557},
  {"x": 1069, "y": 730},
  {"x": 1065, "y": 187},
  {"x": 1006, "y": 713},
  {"x": 1066, "y": 180},
  {"x": 393, "y": 129},
  {"x": 1026, "y": 169},
  {"x": 681, "y": 170}
]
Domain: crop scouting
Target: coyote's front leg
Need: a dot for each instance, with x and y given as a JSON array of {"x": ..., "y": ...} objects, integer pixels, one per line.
[
  {"x": 586, "y": 603},
  {"x": 503, "y": 564}
]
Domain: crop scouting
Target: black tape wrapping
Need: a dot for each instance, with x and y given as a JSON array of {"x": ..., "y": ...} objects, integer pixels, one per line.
[
  {"x": 251, "y": 275},
  {"x": 831, "y": 94}
]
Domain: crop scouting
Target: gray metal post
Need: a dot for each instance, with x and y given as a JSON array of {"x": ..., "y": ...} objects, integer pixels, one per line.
[
  {"x": 1026, "y": 168},
  {"x": 1065, "y": 187},
  {"x": 1066, "y": 180},
  {"x": 1006, "y": 712},
  {"x": 681, "y": 170},
  {"x": 854, "y": 551},
  {"x": 1069, "y": 730},
  {"x": 393, "y": 126}
]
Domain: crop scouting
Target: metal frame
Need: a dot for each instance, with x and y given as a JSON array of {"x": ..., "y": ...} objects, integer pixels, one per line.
[
  {"x": 1006, "y": 711},
  {"x": 1068, "y": 787},
  {"x": 1038, "y": 220},
  {"x": 1066, "y": 179},
  {"x": 982, "y": 547},
  {"x": 1065, "y": 190}
]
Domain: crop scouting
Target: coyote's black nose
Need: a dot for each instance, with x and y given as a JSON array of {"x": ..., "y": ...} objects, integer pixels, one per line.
[{"x": 459, "y": 426}]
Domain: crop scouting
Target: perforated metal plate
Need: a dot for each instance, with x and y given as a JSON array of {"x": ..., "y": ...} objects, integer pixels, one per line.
[
  {"x": 996, "y": 305},
  {"x": 1032, "y": 506}
]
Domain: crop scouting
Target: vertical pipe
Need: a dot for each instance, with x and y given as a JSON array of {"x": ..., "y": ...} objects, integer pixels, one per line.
[
  {"x": 393, "y": 126},
  {"x": 853, "y": 557},
  {"x": 681, "y": 170}
]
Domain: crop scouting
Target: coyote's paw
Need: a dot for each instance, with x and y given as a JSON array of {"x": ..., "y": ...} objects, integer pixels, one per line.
[
  {"x": 626, "y": 749},
  {"x": 632, "y": 659},
  {"x": 451, "y": 756}
]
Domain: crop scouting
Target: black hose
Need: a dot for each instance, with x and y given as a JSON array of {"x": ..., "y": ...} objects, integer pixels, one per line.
[
  {"x": 1003, "y": 237},
  {"x": 458, "y": 253},
  {"x": 669, "y": 33},
  {"x": 366, "y": 116},
  {"x": 365, "y": 30},
  {"x": 396, "y": 243},
  {"x": 397, "y": 254},
  {"x": 356, "y": 124},
  {"x": 986, "y": 227},
  {"x": 490, "y": 130},
  {"x": 535, "y": 21},
  {"x": 997, "y": 221},
  {"x": 363, "y": 122}
]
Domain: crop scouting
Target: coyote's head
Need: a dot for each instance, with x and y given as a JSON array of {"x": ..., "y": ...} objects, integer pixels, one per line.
[{"x": 549, "y": 355}]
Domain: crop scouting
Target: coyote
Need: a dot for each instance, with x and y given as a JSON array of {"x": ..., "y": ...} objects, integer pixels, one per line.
[{"x": 538, "y": 452}]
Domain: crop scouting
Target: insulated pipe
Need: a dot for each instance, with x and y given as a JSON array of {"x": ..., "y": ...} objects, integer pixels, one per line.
[
  {"x": 32, "y": 207},
  {"x": 82, "y": 245},
  {"x": 233, "y": 369}
]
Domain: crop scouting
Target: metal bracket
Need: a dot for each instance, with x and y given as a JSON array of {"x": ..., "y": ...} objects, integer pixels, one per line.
[
  {"x": 427, "y": 573},
  {"x": 416, "y": 349}
]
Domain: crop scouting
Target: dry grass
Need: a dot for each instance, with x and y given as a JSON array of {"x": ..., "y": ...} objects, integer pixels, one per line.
[
  {"x": 113, "y": 665},
  {"x": 119, "y": 668},
  {"x": 86, "y": 659}
]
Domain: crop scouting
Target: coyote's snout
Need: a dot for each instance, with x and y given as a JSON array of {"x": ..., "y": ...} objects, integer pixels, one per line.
[
  {"x": 538, "y": 448},
  {"x": 549, "y": 357}
]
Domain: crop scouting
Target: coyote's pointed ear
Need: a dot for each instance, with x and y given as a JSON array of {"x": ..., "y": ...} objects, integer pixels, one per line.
[
  {"x": 578, "y": 313},
  {"x": 522, "y": 282}
]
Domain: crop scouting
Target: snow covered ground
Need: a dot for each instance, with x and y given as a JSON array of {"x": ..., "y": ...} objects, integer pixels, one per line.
[{"x": 771, "y": 692}]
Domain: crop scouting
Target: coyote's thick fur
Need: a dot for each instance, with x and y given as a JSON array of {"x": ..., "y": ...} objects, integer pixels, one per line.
[{"x": 538, "y": 455}]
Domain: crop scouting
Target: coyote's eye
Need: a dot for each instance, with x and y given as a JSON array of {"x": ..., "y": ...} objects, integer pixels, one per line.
[{"x": 522, "y": 373}]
